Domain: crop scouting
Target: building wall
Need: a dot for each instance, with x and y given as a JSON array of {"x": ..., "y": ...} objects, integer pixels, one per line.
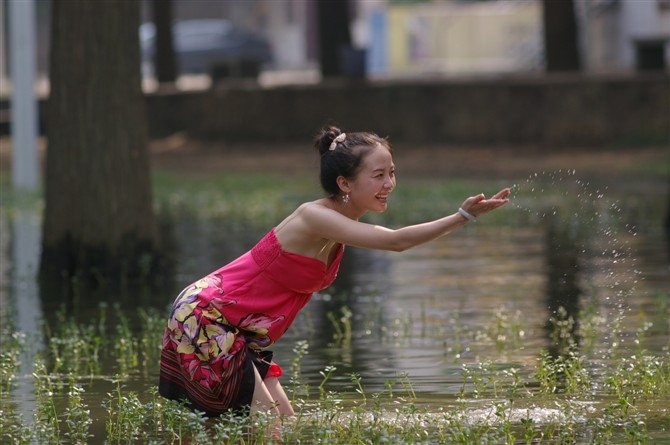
[
  {"x": 610, "y": 28},
  {"x": 465, "y": 38}
]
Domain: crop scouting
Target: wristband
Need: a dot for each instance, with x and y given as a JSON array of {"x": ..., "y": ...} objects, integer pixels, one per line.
[{"x": 466, "y": 215}]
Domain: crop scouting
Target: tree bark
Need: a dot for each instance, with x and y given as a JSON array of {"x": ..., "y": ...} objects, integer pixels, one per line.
[
  {"x": 98, "y": 217},
  {"x": 561, "y": 43},
  {"x": 666, "y": 225},
  {"x": 164, "y": 56},
  {"x": 334, "y": 34}
]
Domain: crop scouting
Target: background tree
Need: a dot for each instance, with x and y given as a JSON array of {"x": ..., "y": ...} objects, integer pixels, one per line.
[
  {"x": 164, "y": 58},
  {"x": 561, "y": 46},
  {"x": 666, "y": 224},
  {"x": 98, "y": 218},
  {"x": 333, "y": 34}
]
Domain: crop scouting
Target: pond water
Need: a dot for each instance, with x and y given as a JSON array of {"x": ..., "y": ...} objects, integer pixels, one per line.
[{"x": 441, "y": 317}]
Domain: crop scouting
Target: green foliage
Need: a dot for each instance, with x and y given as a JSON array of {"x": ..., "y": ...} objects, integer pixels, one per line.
[
  {"x": 263, "y": 200},
  {"x": 247, "y": 198}
]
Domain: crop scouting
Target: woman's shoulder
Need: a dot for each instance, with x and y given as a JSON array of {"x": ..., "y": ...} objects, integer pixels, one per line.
[
  {"x": 299, "y": 219},
  {"x": 317, "y": 207}
]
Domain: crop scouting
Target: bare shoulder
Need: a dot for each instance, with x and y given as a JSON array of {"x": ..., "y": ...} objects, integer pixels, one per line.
[
  {"x": 299, "y": 232},
  {"x": 315, "y": 208},
  {"x": 299, "y": 222},
  {"x": 319, "y": 216}
]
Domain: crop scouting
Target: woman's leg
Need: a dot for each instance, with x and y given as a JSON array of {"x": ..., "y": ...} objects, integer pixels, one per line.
[
  {"x": 262, "y": 400},
  {"x": 269, "y": 396},
  {"x": 279, "y": 396}
]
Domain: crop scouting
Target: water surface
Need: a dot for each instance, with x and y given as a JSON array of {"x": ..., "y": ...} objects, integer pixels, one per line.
[{"x": 483, "y": 296}]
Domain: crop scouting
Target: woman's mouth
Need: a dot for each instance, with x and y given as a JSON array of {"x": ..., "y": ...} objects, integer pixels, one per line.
[{"x": 383, "y": 198}]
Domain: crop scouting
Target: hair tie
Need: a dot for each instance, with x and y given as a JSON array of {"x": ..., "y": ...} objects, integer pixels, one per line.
[{"x": 337, "y": 140}]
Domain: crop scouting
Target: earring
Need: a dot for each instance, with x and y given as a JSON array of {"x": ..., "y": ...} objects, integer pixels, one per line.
[{"x": 345, "y": 199}]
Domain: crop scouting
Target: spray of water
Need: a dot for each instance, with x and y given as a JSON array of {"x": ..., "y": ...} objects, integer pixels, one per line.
[{"x": 583, "y": 222}]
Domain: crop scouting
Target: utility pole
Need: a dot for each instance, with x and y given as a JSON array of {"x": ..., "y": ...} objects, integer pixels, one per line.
[{"x": 25, "y": 163}]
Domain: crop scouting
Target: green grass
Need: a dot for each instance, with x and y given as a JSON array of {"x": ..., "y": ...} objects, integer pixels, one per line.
[
  {"x": 255, "y": 198},
  {"x": 266, "y": 199},
  {"x": 560, "y": 399}
]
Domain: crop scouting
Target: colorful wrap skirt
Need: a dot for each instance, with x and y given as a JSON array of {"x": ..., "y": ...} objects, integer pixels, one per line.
[{"x": 206, "y": 363}]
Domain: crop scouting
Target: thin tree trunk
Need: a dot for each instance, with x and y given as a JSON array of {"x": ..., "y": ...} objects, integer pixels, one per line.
[
  {"x": 98, "y": 218},
  {"x": 561, "y": 41},
  {"x": 334, "y": 34},
  {"x": 164, "y": 57}
]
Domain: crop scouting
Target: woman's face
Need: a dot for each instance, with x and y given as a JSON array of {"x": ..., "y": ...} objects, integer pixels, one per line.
[{"x": 374, "y": 182}]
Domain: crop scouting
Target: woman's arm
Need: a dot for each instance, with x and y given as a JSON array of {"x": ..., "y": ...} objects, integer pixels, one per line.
[{"x": 330, "y": 224}]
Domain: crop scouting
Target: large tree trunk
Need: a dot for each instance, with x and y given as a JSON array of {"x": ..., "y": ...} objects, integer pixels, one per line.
[
  {"x": 666, "y": 224},
  {"x": 164, "y": 56},
  {"x": 561, "y": 43},
  {"x": 334, "y": 34},
  {"x": 98, "y": 218}
]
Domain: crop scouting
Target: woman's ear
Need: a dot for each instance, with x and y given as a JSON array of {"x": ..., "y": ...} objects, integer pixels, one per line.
[{"x": 343, "y": 184}]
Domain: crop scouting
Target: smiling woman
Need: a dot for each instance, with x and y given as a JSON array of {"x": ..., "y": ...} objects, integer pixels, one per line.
[{"x": 214, "y": 349}]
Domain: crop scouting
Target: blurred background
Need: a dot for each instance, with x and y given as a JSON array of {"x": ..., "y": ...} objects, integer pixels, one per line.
[
  {"x": 394, "y": 38},
  {"x": 537, "y": 76}
]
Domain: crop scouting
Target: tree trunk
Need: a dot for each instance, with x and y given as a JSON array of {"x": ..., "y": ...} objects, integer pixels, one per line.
[
  {"x": 561, "y": 45},
  {"x": 334, "y": 34},
  {"x": 666, "y": 224},
  {"x": 98, "y": 217},
  {"x": 164, "y": 56}
]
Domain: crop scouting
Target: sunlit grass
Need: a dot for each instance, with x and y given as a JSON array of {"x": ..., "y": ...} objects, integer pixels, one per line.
[
  {"x": 248, "y": 198},
  {"x": 266, "y": 199}
]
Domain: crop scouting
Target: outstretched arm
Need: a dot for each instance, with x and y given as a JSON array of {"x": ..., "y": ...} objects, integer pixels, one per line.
[{"x": 329, "y": 224}]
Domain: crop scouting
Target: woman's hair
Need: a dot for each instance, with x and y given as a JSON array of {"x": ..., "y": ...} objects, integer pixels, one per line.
[{"x": 342, "y": 154}]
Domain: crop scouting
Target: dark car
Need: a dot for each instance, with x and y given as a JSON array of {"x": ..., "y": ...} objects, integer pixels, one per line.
[{"x": 210, "y": 46}]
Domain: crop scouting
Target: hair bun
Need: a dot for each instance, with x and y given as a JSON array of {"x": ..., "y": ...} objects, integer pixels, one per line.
[{"x": 326, "y": 137}]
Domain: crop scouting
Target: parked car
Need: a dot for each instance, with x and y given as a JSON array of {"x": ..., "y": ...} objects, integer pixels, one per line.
[{"x": 210, "y": 46}]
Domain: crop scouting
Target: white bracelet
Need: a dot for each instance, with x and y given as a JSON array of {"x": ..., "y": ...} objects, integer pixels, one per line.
[{"x": 466, "y": 215}]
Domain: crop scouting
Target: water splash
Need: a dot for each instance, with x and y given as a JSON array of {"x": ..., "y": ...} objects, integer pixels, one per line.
[{"x": 583, "y": 221}]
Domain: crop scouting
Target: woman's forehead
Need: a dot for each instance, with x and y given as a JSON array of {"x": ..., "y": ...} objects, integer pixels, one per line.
[{"x": 378, "y": 158}]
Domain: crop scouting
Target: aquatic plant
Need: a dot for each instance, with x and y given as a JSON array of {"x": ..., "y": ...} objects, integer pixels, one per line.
[
  {"x": 77, "y": 415},
  {"x": 47, "y": 390},
  {"x": 10, "y": 356},
  {"x": 341, "y": 326}
]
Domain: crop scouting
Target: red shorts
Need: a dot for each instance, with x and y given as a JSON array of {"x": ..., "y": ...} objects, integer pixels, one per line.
[{"x": 274, "y": 371}]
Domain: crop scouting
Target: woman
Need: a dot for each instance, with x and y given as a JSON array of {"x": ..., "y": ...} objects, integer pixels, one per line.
[{"x": 214, "y": 353}]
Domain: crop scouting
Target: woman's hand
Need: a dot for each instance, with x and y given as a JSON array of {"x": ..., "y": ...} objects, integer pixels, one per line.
[{"x": 479, "y": 204}]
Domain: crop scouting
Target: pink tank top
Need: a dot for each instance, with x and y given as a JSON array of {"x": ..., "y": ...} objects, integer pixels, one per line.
[{"x": 262, "y": 291}]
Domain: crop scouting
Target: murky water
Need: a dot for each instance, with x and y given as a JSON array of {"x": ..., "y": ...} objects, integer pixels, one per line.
[{"x": 485, "y": 294}]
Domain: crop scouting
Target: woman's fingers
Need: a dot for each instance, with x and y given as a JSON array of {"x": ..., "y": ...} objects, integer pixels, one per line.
[
  {"x": 502, "y": 194},
  {"x": 479, "y": 204}
]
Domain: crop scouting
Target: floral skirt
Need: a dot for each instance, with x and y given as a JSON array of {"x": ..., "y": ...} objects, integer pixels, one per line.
[{"x": 205, "y": 362}]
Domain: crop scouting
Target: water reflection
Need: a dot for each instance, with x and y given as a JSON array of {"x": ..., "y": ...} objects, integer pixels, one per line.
[
  {"x": 484, "y": 294},
  {"x": 23, "y": 310},
  {"x": 65, "y": 293},
  {"x": 564, "y": 244}
]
